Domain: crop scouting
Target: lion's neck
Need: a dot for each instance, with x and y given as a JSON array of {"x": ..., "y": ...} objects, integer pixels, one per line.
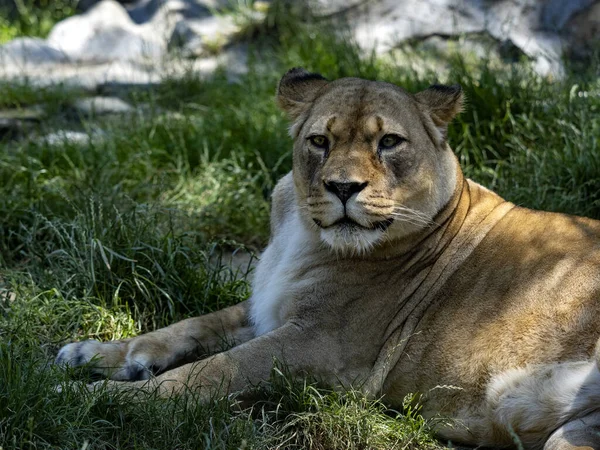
[{"x": 469, "y": 202}]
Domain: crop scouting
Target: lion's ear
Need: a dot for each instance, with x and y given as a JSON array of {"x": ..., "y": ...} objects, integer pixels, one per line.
[
  {"x": 442, "y": 103},
  {"x": 297, "y": 90}
]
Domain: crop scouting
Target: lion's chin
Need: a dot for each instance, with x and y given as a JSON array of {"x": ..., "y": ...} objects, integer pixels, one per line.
[{"x": 351, "y": 240}]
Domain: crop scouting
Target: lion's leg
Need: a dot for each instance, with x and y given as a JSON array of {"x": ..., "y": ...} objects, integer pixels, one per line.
[
  {"x": 245, "y": 365},
  {"x": 137, "y": 358},
  {"x": 533, "y": 401},
  {"x": 583, "y": 433}
]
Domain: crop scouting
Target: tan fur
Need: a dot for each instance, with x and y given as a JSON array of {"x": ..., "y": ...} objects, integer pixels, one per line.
[{"x": 487, "y": 309}]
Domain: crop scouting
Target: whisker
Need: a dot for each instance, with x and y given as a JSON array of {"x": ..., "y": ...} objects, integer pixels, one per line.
[
  {"x": 414, "y": 220},
  {"x": 415, "y": 214},
  {"x": 407, "y": 209},
  {"x": 375, "y": 205},
  {"x": 411, "y": 213},
  {"x": 410, "y": 210},
  {"x": 406, "y": 214},
  {"x": 411, "y": 218},
  {"x": 377, "y": 215}
]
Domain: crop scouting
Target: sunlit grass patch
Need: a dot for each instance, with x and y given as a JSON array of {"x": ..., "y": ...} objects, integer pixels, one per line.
[
  {"x": 225, "y": 198},
  {"x": 51, "y": 318},
  {"x": 297, "y": 413}
]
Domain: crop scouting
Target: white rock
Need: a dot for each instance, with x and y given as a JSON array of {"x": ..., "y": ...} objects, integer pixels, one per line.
[
  {"x": 386, "y": 23},
  {"x": 94, "y": 106},
  {"x": 30, "y": 52},
  {"x": 106, "y": 33},
  {"x": 63, "y": 137},
  {"x": 537, "y": 27},
  {"x": 85, "y": 76}
]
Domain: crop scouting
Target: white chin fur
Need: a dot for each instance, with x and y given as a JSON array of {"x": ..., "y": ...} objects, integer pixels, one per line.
[{"x": 351, "y": 241}]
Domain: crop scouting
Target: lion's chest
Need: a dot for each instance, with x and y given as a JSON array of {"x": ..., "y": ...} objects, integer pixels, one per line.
[
  {"x": 298, "y": 275},
  {"x": 282, "y": 276}
]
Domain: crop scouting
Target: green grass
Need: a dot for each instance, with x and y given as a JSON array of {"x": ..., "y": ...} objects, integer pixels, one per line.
[
  {"x": 33, "y": 17},
  {"x": 132, "y": 230}
]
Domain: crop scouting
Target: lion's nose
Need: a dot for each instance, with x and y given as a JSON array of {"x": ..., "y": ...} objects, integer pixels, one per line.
[{"x": 344, "y": 190}]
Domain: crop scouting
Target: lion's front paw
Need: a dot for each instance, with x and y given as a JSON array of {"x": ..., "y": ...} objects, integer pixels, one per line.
[
  {"x": 135, "y": 359},
  {"x": 106, "y": 359}
]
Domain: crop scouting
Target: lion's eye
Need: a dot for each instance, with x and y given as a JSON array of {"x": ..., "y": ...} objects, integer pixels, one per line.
[
  {"x": 390, "y": 141},
  {"x": 319, "y": 141}
]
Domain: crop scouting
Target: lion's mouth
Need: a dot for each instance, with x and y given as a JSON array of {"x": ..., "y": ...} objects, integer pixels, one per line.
[{"x": 347, "y": 223}]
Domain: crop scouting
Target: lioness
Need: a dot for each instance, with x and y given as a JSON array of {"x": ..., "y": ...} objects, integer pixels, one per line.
[{"x": 389, "y": 271}]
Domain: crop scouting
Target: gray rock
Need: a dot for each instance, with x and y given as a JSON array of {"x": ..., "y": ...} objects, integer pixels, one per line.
[
  {"x": 205, "y": 36},
  {"x": 144, "y": 11},
  {"x": 11, "y": 128},
  {"x": 14, "y": 123},
  {"x": 84, "y": 5},
  {"x": 185, "y": 39},
  {"x": 97, "y": 106},
  {"x": 582, "y": 29},
  {"x": 555, "y": 14},
  {"x": 32, "y": 113},
  {"x": 335, "y": 7}
]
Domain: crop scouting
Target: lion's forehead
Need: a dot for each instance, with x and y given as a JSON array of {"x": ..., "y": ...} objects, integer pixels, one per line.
[
  {"x": 366, "y": 127},
  {"x": 353, "y": 106},
  {"x": 363, "y": 94}
]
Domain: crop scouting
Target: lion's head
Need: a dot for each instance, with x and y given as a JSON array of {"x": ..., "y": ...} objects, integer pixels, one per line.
[{"x": 371, "y": 162}]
